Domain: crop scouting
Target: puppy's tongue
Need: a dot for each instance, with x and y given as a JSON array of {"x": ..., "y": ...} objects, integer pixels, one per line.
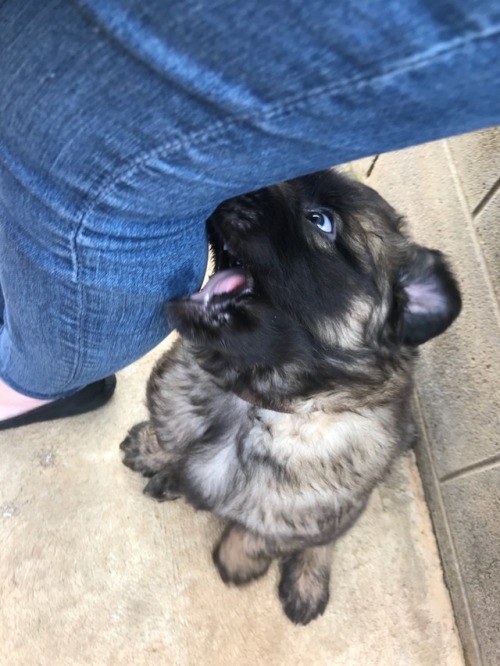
[{"x": 221, "y": 282}]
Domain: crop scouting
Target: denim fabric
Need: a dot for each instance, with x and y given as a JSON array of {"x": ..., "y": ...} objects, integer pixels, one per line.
[{"x": 124, "y": 123}]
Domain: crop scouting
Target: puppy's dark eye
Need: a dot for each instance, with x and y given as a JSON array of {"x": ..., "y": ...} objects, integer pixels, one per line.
[{"x": 323, "y": 221}]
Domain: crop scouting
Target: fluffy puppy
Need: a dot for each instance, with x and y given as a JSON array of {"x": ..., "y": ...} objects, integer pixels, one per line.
[{"x": 287, "y": 396}]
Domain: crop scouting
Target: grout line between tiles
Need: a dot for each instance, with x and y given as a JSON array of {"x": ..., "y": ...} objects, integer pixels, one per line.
[
  {"x": 482, "y": 465},
  {"x": 449, "y": 536},
  {"x": 470, "y": 221},
  {"x": 486, "y": 199},
  {"x": 372, "y": 166}
]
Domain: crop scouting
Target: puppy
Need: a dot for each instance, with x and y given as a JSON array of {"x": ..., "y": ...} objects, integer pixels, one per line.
[{"x": 287, "y": 396}]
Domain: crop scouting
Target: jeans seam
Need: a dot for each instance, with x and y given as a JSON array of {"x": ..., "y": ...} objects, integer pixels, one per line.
[
  {"x": 79, "y": 302},
  {"x": 411, "y": 62},
  {"x": 99, "y": 183}
]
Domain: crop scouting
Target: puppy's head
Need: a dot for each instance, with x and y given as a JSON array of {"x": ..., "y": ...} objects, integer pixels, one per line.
[{"x": 312, "y": 268}]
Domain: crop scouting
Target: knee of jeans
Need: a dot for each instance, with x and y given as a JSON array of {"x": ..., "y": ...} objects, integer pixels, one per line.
[
  {"x": 128, "y": 263},
  {"x": 63, "y": 331},
  {"x": 148, "y": 256}
]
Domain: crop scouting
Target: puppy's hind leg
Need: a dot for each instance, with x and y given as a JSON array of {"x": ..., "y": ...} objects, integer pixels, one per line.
[
  {"x": 241, "y": 556},
  {"x": 143, "y": 452},
  {"x": 304, "y": 585}
]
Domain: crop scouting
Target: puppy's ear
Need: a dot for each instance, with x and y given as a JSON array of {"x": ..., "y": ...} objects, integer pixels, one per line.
[{"x": 433, "y": 299}]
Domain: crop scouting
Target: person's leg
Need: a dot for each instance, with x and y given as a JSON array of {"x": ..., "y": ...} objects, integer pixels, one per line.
[
  {"x": 91, "y": 243},
  {"x": 122, "y": 125}
]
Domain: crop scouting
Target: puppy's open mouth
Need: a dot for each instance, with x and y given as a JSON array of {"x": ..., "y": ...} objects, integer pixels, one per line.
[{"x": 231, "y": 280}]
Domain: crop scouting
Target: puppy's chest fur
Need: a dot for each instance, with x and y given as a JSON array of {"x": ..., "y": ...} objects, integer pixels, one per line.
[{"x": 292, "y": 472}]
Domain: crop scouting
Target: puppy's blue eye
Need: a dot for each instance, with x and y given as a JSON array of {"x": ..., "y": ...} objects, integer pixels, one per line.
[{"x": 322, "y": 220}]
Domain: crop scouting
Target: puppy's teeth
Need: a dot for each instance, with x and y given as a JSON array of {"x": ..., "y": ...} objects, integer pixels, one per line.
[{"x": 206, "y": 299}]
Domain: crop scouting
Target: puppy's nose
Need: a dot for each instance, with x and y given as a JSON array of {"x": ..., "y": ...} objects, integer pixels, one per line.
[{"x": 237, "y": 218}]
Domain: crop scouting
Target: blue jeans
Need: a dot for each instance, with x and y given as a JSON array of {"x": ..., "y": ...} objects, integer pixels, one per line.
[{"x": 123, "y": 123}]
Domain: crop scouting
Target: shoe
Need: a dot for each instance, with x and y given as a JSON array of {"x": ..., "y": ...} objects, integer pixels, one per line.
[{"x": 85, "y": 400}]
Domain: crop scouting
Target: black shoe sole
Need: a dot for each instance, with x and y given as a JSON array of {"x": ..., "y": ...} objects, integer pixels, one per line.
[{"x": 85, "y": 400}]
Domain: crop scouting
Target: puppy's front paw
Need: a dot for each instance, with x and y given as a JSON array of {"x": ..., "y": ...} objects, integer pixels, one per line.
[
  {"x": 162, "y": 487},
  {"x": 233, "y": 563},
  {"x": 142, "y": 451},
  {"x": 303, "y": 592}
]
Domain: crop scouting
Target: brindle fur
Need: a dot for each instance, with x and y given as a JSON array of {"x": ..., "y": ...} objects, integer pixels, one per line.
[{"x": 324, "y": 341}]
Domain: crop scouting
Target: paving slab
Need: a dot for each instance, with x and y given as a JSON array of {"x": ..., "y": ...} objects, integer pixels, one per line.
[
  {"x": 477, "y": 542},
  {"x": 488, "y": 232},
  {"x": 96, "y": 573},
  {"x": 477, "y": 159}
]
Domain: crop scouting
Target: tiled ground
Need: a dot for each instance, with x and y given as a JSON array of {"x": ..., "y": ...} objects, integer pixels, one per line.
[{"x": 450, "y": 192}]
